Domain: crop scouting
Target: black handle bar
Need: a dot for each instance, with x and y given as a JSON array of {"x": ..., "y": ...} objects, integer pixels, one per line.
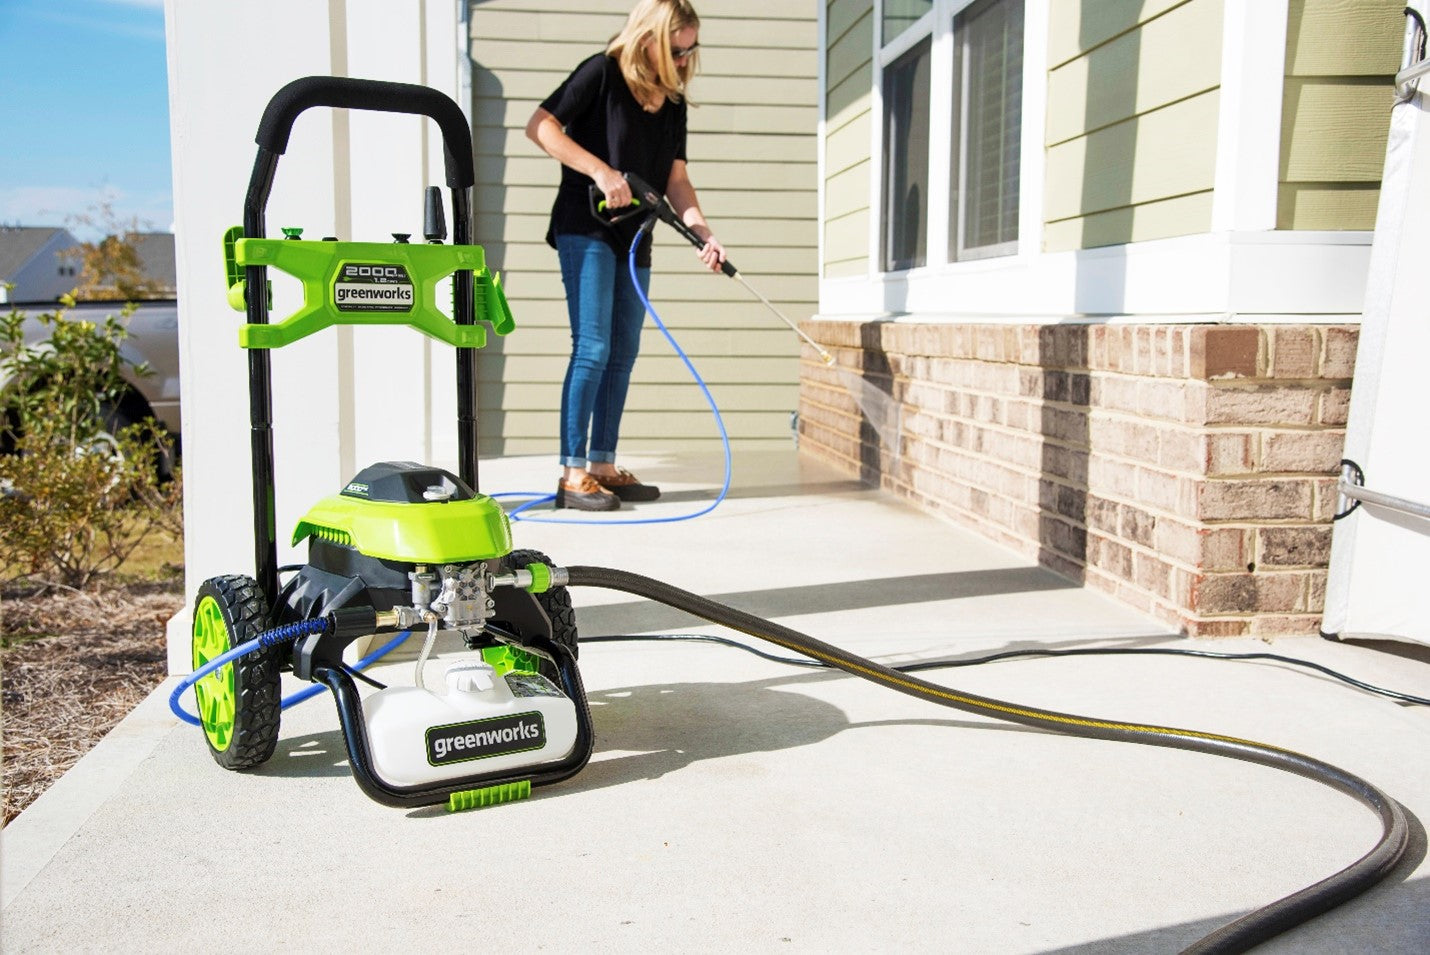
[{"x": 379, "y": 96}]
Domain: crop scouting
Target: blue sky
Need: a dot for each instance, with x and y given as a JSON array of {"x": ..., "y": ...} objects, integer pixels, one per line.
[{"x": 84, "y": 103}]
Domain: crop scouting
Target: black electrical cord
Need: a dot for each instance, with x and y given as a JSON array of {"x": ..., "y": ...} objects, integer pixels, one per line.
[
  {"x": 1014, "y": 654},
  {"x": 1237, "y": 936},
  {"x": 359, "y": 675}
]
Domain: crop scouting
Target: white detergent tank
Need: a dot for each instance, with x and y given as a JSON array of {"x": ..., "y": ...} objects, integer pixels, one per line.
[{"x": 484, "y": 724}]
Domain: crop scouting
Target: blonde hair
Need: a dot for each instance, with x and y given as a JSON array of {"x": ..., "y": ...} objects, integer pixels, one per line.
[{"x": 655, "y": 22}]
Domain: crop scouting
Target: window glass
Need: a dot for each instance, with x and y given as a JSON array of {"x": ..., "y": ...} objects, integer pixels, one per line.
[
  {"x": 906, "y": 158},
  {"x": 987, "y": 129},
  {"x": 899, "y": 15}
]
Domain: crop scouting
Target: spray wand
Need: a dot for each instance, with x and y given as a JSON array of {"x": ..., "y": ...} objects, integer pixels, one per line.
[
  {"x": 883, "y": 413},
  {"x": 645, "y": 198}
]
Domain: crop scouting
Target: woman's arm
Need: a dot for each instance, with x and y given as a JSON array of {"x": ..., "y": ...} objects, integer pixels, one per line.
[
  {"x": 547, "y": 132},
  {"x": 681, "y": 193}
]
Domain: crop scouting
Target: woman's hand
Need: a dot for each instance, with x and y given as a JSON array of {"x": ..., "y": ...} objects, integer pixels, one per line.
[
  {"x": 712, "y": 253},
  {"x": 682, "y": 197},
  {"x": 615, "y": 187}
]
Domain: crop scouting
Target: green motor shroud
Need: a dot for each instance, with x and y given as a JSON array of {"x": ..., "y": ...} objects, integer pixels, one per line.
[{"x": 410, "y": 513}]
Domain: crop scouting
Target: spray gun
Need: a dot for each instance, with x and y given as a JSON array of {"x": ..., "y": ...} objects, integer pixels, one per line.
[{"x": 647, "y": 201}]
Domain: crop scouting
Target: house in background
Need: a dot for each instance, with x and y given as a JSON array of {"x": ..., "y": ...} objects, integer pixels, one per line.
[
  {"x": 1111, "y": 257},
  {"x": 156, "y": 261},
  {"x": 149, "y": 275},
  {"x": 35, "y": 261}
]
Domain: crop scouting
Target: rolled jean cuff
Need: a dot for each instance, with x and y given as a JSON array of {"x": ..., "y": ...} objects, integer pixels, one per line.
[
  {"x": 569, "y": 462},
  {"x": 602, "y": 457}
]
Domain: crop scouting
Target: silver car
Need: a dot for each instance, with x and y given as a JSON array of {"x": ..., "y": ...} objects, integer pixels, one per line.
[{"x": 152, "y": 343}]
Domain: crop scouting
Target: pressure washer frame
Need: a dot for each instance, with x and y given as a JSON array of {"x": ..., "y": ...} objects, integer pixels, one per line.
[{"x": 249, "y": 255}]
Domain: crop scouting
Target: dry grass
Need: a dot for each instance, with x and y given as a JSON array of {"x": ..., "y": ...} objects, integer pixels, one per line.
[{"x": 73, "y": 664}]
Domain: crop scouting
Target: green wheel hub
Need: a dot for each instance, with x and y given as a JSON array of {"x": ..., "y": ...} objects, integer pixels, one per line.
[
  {"x": 215, "y": 692},
  {"x": 239, "y": 703}
]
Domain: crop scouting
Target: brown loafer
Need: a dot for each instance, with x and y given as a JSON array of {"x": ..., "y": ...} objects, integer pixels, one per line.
[
  {"x": 627, "y": 486},
  {"x": 585, "y": 495}
]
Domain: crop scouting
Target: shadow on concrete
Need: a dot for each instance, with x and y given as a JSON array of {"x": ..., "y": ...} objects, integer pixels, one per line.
[
  {"x": 1396, "y": 648},
  {"x": 644, "y": 616},
  {"x": 659, "y": 729}
]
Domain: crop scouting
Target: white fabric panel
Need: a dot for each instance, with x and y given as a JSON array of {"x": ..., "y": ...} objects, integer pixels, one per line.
[{"x": 1380, "y": 556}]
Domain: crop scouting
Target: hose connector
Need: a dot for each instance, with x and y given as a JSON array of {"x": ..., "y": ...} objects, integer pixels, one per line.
[{"x": 533, "y": 578}]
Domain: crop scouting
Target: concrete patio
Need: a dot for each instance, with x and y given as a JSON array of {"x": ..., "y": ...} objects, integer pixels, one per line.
[{"x": 736, "y": 803}]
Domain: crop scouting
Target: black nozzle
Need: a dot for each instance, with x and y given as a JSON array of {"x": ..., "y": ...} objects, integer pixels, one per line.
[{"x": 434, "y": 222}]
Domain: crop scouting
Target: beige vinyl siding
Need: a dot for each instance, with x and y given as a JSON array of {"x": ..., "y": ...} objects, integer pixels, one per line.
[
  {"x": 1341, "y": 58},
  {"x": 1133, "y": 99},
  {"x": 752, "y": 159},
  {"x": 849, "y": 81}
]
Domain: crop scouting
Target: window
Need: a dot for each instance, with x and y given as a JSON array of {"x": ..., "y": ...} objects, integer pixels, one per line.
[
  {"x": 906, "y": 159},
  {"x": 899, "y": 15},
  {"x": 987, "y": 129},
  {"x": 952, "y": 95}
]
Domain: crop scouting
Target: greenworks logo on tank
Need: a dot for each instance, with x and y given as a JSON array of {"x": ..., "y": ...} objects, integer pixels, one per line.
[
  {"x": 482, "y": 739},
  {"x": 372, "y": 287}
]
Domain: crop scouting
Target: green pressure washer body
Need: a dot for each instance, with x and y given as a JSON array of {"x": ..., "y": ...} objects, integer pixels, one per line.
[{"x": 403, "y": 547}]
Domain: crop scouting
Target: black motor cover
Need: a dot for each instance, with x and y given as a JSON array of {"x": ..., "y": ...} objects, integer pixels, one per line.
[{"x": 407, "y": 482}]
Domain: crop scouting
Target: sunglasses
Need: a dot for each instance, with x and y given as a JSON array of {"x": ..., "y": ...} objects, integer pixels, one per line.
[{"x": 681, "y": 52}]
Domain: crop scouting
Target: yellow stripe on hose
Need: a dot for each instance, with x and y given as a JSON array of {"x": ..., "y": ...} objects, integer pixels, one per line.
[{"x": 932, "y": 690}]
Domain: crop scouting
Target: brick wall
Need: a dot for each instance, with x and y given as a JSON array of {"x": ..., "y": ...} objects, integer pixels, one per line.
[{"x": 1187, "y": 470}]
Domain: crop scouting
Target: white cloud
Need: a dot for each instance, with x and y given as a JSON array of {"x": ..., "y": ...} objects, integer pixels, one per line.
[{"x": 64, "y": 205}]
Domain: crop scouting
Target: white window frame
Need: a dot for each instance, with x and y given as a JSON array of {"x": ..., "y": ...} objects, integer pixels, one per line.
[
  {"x": 995, "y": 250},
  {"x": 938, "y": 24}
]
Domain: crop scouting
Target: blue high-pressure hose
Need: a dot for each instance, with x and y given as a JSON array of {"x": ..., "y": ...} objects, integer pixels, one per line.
[
  {"x": 266, "y": 639},
  {"x": 517, "y": 514}
]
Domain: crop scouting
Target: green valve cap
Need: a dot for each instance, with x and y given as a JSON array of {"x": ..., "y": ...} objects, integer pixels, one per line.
[{"x": 292, "y": 232}]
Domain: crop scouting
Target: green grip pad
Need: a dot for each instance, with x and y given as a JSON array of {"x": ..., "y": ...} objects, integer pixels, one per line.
[
  {"x": 490, "y": 302},
  {"x": 366, "y": 283},
  {"x": 491, "y": 796}
]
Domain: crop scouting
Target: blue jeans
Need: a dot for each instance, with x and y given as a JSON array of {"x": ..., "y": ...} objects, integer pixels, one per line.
[{"x": 606, "y": 316}]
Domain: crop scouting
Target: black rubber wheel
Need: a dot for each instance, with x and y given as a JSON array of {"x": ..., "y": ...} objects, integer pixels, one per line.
[
  {"x": 556, "y": 603},
  {"x": 239, "y": 703}
]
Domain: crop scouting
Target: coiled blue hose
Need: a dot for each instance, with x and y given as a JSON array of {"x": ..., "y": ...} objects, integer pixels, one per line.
[
  {"x": 264, "y": 640},
  {"x": 539, "y": 498}
]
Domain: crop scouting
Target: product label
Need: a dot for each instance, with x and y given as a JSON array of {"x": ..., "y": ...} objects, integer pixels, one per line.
[
  {"x": 531, "y": 684},
  {"x": 480, "y": 739},
  {"x": 372, "y": 287}
]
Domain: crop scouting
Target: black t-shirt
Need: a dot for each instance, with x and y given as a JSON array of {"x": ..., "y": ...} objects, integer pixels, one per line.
[{"x": 601, "y": 114}]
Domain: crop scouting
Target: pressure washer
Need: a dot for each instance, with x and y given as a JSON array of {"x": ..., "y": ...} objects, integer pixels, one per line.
[{"x": 406, "y": 547}]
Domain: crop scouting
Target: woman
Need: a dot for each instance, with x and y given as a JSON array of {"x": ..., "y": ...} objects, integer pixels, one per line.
[{"x": 619, "y": 111}]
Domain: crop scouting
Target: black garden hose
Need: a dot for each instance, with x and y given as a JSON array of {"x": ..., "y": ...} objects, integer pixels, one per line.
[{"x": 1237, "y": 936}]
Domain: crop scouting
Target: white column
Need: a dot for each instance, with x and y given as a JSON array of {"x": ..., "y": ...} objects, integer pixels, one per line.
[
  {"x": 342, "y": 396},
  {"x": 1248, "y": 157}
]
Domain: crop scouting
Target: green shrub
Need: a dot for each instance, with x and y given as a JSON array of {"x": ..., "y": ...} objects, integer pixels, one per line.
[{"x": 75, "y": 499}]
